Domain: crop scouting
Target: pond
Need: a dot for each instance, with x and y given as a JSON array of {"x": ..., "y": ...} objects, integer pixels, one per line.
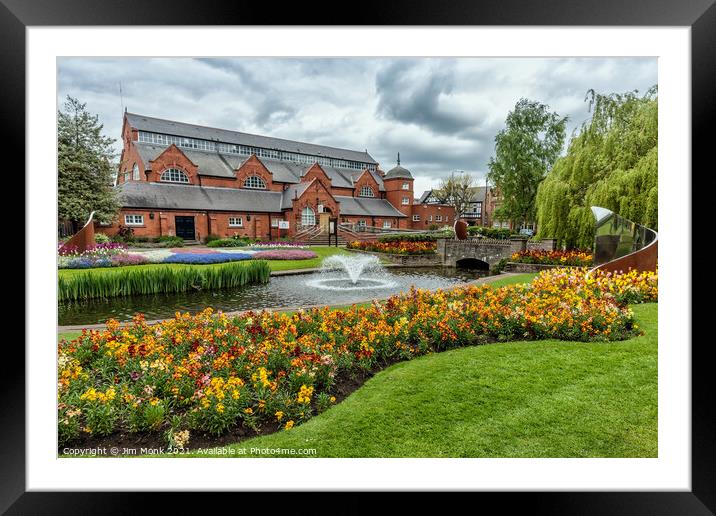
[{"x": 333, "y": 286}]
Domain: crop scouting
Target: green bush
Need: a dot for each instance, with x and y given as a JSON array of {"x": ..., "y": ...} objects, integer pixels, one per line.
[
  {"x": 170, "y": 241},
  {"x": 498, "y": 233},
  {"x": 211, "y": 238},
  {"x": 101, "y": 238},
  {"x": 417, "y": 237},
  {"x": 129, "y": 281},
  {"x": 227, "y": 242}
]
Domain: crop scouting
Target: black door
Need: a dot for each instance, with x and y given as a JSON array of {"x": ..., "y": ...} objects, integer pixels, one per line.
[{"x": 184, "y": 227}]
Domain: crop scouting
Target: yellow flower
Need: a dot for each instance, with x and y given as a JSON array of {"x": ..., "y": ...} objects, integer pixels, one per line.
[
  {"x": 220, "y": 408},
  {"x": 288, "y": 425},
  {"x": 249, "y": 410},
  {"x": 279, "y": 415}
]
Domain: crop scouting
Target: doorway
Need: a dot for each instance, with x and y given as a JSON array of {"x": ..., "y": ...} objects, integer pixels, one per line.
[{"x": 185, "y": 227}]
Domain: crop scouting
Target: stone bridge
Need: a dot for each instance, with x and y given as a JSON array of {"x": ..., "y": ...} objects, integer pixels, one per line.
[{"x": 482, "y": 253}]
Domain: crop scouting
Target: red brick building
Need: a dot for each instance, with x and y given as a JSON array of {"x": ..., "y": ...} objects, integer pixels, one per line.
[{"x": 193, "y": 181}]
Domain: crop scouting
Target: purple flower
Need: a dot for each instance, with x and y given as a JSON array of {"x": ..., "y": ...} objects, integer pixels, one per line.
[{"x": 285, "y": 254}]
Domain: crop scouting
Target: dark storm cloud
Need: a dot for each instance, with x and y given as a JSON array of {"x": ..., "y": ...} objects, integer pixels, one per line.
[{"x": 440, "y": 114}]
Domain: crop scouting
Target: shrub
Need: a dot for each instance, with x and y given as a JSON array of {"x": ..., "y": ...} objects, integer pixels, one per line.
[
  {"x": 101, "y": 238},
  {"x": 227, "y": 242},
  {"x": 211, "y": 238},
  {"x": 417, "y": 237},
  {"x": 170, "y": 241},
  {"x": 158, "y": 280},
  {"x": 125, "y": 234},
  {"x": 498, "y": 233}
]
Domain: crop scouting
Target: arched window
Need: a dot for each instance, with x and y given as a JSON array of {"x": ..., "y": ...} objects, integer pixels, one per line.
[
  {"x": 135, "y": 172},
  {"x": 254, "y": 182},
  {"x": 366, "y": 191},
  {"x": 174, "y": 175},
  {"x": 308, "y": 217}
]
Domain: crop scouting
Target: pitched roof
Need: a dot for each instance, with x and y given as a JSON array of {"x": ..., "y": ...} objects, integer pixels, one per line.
[
  {"x": 141, "y": 194},
  {"x": 162, "y": 126},
  {"x": 367, "y": 207},
  {"x": 216, "y": 164}
]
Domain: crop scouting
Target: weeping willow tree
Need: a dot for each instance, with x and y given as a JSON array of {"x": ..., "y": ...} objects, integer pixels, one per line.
[{"x": 611, "y": 162}]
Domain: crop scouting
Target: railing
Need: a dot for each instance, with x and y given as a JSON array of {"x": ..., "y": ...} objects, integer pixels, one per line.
[{"x": 307, "y": 232}]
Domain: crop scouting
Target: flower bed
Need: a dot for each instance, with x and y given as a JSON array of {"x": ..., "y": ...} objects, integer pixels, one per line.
[
  {"x": 212, "y": 373},
  {"x": 574, "y": 257},
  {"x": 284, "y": 254},
  {"x": 279, "y": 245},
  {"x": 206, "y": 258},
  {"x": 395, "y": 247}
]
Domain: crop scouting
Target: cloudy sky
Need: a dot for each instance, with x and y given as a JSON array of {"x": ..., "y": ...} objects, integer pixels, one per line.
[{"x": 441, "y": 114}]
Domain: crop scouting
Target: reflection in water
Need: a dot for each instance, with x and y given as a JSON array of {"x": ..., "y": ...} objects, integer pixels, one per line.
[{"x": 281, "y": 291}]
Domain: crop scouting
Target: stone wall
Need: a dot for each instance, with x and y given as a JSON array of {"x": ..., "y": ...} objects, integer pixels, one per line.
[
  {"x": 546, "y": 244},
  {"x": 407, "y": 260},
  {"x": 489, "y": 251}
]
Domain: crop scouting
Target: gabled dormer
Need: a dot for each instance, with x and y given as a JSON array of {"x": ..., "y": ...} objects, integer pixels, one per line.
[
  {"x": 366, "y": 186},
  {"x": 316, "y": 172},
  {"x": 253, "y": 175},
  {"x": 173, "y": 166}
]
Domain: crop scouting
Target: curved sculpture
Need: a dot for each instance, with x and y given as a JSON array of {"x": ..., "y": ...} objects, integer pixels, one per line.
[
  {"x": 460, "y": 228},
  {"x": 83, "y": 239},
  {"x": 620, "y": 244}
]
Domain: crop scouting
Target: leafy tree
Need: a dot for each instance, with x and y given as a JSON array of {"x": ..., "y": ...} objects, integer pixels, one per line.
[
  {"x": 525, "y": 150},
  {"x": 456, "y": 190},
  {"x": 611, "y": 162},
  {"x": 85, "y": 170}
]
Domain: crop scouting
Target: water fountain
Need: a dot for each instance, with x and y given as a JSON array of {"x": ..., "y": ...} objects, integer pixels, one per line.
[{"x": 350, "y": 271}]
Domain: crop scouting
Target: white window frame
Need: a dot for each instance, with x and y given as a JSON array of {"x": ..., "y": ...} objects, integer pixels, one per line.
[
  {"x": 238, "y": 222},
  {"x": 362, "y": 223},
  {"x": 438, "y": 218},
  {"x": 406, "y": 186},
  {"x": 430, "y": 219},
  {"x": 274, "y": 223},
  {"x": 366, "y": 191},
  {"x": 138, "y": 220},
  {"x": 387, "y": 224},
  {"x": 255, "y": 179},
  {"x": 174, "y": 175},
  {"x": 406, "y": 201},
  {"x": 308, "y": 216},
  {"x": 135, "y": 172},
  {"x": 416, "y": 218}
]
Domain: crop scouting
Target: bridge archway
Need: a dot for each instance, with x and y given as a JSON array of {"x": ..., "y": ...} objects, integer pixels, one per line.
[{"x": 472, "y": 263}]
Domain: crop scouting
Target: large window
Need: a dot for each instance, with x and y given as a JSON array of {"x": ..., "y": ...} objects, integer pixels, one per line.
[
  {"x": 174, "y": 175},
  {"x": 406, "y": 200},
  {"x": 308, "y": 217},
  {"x": 135, "y": 172},
  {"x": 366, "y": 191},
  {"x": 236, "y": 222},
  {"x": 387, "y": 224},
  {"x": 254, "y": 182},
  {"x": 134, "y": 220}
]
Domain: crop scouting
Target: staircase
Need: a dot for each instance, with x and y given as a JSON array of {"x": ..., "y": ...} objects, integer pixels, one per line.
[{"x": 323, "y": 239}]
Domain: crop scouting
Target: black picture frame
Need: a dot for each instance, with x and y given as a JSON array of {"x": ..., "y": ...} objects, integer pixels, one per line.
[{"x": 700, "y": 15}]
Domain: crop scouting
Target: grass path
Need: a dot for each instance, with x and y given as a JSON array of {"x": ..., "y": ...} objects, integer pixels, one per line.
[{"x": 519, "y": 399}]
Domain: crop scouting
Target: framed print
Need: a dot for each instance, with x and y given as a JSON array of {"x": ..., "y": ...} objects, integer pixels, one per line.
[{"x": 423, "y": 257}]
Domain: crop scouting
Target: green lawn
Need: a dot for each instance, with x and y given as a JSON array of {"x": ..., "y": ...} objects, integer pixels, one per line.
[
  {"x": 513, "y": 280},
  {"x": 276, "y": 265},
  {"x": 520, "y": 399}
]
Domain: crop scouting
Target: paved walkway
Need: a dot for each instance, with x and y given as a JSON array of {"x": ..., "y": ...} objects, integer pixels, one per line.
[{"x": 478, "y": 281}]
